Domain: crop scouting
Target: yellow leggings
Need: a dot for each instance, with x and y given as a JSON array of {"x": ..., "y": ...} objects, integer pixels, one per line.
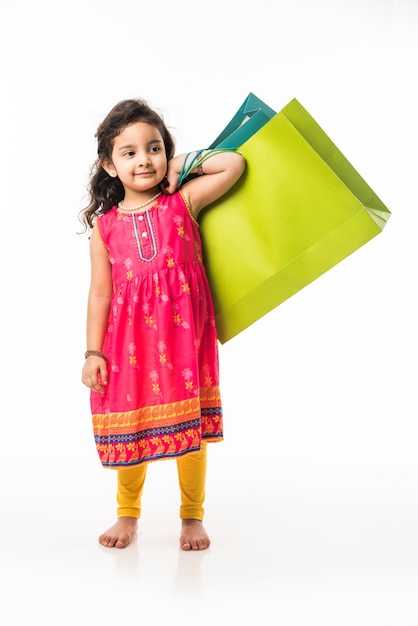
[{"x": 191, "y": 469}]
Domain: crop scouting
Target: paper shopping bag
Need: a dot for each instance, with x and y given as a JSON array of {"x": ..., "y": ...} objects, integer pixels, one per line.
[
  {"x": 298, "y": 210},
  {"x": 250, "y": 117}
]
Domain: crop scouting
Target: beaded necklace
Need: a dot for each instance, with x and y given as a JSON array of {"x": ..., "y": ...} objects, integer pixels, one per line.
[{"x": 140, "y": 206}]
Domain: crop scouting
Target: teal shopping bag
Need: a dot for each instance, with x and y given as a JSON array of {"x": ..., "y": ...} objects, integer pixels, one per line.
[{"x": 250, "y": 117}]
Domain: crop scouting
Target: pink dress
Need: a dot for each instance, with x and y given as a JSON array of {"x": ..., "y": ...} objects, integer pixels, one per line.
[{"x": 163, "y": 393}]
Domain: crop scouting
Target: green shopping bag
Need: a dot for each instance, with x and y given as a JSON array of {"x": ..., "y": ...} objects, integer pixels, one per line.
[{"x": 298, "y": 210}]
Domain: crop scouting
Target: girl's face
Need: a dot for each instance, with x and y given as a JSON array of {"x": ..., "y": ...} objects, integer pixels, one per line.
[{"x": 138, "y": 159}]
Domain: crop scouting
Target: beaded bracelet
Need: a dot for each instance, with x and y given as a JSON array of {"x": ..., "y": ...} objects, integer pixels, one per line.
[{"x": 95, "y": 353}]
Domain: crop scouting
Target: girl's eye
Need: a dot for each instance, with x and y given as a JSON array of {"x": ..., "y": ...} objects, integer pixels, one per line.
[
  {"x": 130, "y": 153},
  {"x": 155, "y": 149}
]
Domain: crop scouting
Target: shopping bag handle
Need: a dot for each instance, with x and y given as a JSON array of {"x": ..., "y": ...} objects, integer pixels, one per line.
[{"x": 199, "y": 157}]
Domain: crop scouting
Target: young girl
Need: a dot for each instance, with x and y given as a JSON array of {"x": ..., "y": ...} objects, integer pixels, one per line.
[{"x": 152, "y": 354}]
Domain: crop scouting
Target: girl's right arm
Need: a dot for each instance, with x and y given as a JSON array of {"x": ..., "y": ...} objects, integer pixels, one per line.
[{"x": 94, "y": 373}]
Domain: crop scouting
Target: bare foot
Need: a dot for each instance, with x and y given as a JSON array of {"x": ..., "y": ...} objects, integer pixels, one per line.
[
  {"x": 120, "y": 534},
  {"x": 193, "y": 535}
]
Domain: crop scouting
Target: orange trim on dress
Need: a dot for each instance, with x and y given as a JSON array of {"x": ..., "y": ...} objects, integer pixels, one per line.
[
  {"x": 97, "y": 228},
  {"x": 158, "y": 432},
  {"x": 188, "y": 208}
]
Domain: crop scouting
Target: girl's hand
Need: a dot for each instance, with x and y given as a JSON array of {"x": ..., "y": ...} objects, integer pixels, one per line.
[
  {"x": 170, "y": 183},
  {"x": 94, "y": 374}
]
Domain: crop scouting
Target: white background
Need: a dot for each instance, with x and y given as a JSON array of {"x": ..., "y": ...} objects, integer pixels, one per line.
[{"x": 312, "y": 498}]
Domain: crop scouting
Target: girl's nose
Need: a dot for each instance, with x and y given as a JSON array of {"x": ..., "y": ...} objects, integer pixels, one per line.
[{"x": 143, "y": 159}]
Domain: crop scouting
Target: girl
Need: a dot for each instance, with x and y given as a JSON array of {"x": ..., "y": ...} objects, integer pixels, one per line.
[{"x": 152, "y": 356}]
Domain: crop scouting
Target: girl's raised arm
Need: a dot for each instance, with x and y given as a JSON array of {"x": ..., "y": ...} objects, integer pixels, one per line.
[{"x": 217, "y": 174}]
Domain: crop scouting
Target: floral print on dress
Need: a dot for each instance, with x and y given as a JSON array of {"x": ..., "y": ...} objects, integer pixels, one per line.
[
  {"x": 188, "y": 382},
  {"x": 148, "y": 318},
  {"x": 163, "y": 358},
  {"x": 154, "y": 376},
  {"x": 178, "y": 220}
]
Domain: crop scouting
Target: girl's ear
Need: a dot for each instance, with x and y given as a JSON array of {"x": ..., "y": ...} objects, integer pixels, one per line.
[{"x": 109, "y": 168}]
